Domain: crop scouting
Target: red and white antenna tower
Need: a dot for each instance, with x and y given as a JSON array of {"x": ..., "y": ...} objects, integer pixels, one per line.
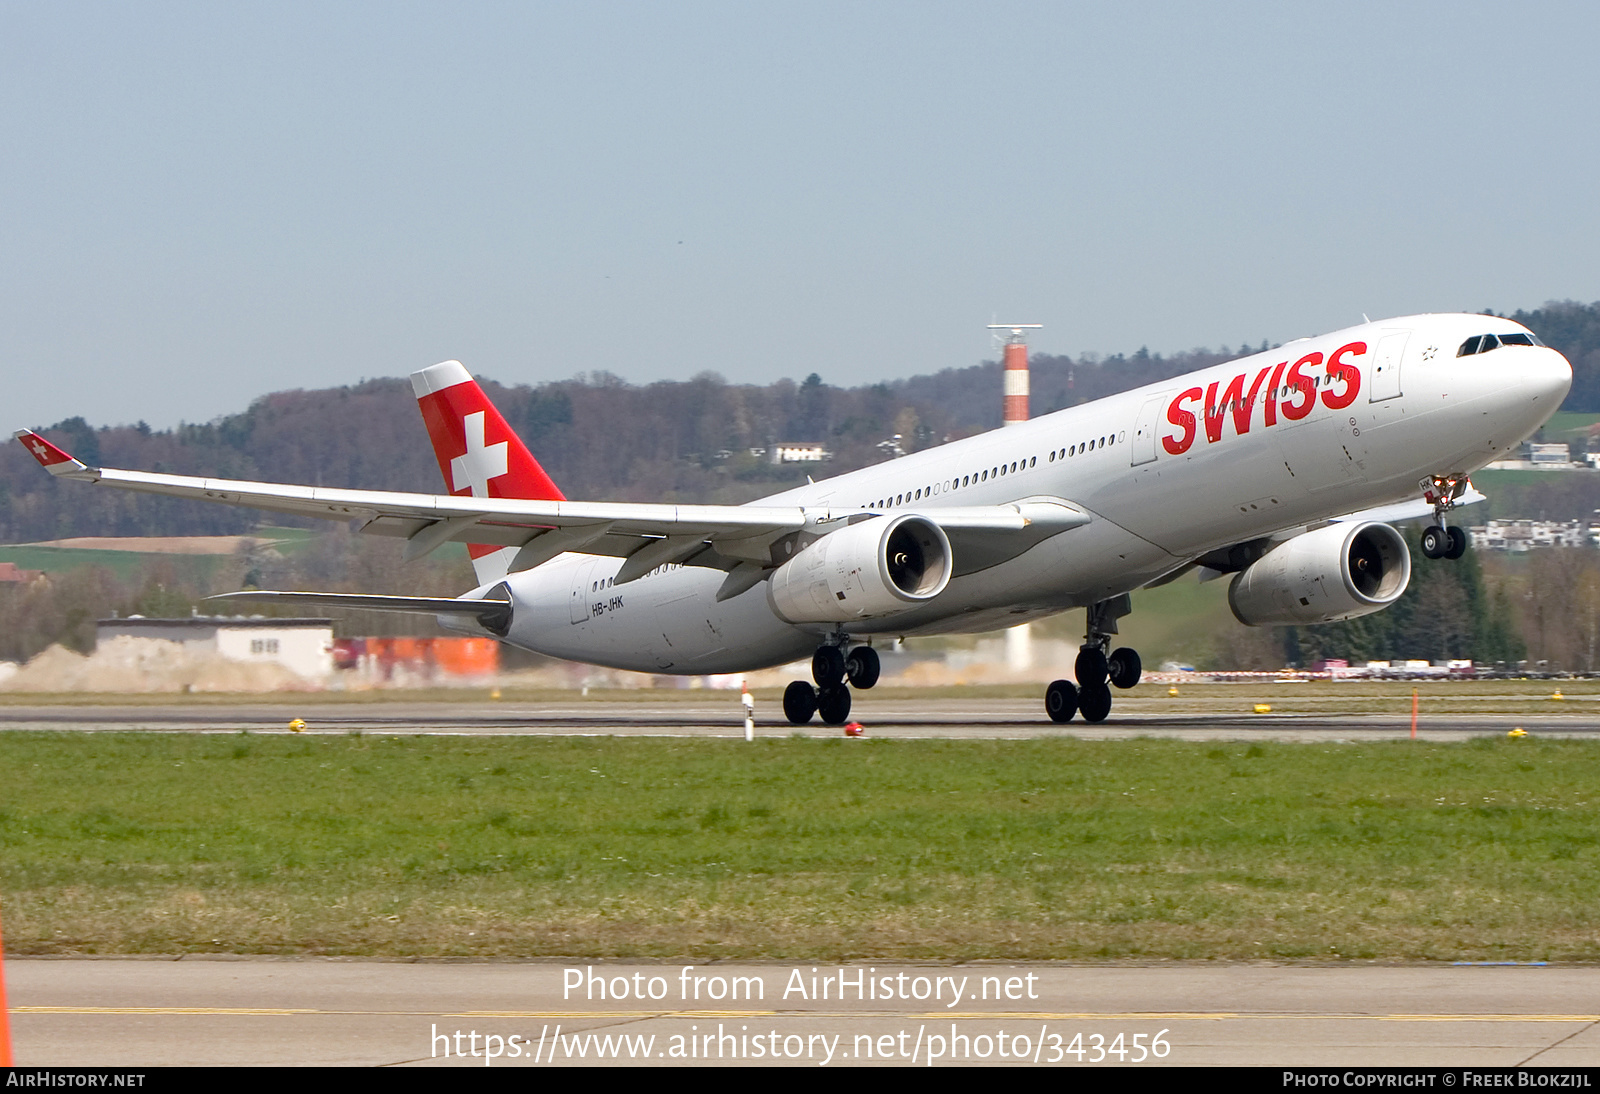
[{"x": 1014, "y": 369}]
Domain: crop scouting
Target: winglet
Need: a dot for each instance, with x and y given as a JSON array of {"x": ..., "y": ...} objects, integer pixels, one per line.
[{"x": 51, "y": 458}]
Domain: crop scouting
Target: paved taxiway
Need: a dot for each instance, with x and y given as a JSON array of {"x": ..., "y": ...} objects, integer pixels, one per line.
[
  {"x": 721, "y": 716},
  {"x": 143, "y": 1012}
]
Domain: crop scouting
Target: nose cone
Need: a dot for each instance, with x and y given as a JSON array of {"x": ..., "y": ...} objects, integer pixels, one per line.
[
  {"x": 1549, "y": 376},
  {"x": 1531, "y": 391}
]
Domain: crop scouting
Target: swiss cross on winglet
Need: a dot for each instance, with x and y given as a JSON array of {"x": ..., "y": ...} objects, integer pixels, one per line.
[{"x": 50, "y": 457}]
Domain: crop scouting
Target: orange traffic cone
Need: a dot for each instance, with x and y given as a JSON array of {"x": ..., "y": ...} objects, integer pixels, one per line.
[{"x": 5, "y": 1012}]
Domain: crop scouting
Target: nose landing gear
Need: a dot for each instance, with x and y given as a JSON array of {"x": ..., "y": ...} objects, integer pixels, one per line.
[
  {"x": 1438, "y": 539},
  {"x": 832, "y": 669},
  {"x": 1096, "y": 670}
]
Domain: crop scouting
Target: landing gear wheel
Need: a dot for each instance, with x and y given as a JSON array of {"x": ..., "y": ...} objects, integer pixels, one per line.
[
  {"x": 1061, "y": 701},
  {"x": 1090, "y": 668},
  {"x": 1458, "y": 543},
  {"x": 799, "y": 702},
  {"x": 861, "y": 668},
  {"x": 827, "y": 666},
  {"x": 1124, "y": 667},
  {"x": 1435, "y": 541},
  {"x": 1094, "y": 703},
  {"x": 833, "y": 703}
]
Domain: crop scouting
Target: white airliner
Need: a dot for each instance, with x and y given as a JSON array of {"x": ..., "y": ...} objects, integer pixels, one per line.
[{"x": 1280, "y": 468}]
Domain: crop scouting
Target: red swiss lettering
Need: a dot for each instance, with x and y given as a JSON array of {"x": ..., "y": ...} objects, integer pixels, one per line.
[
  {"x": 1271, "y": 412},
  {"x": 1243, "y": 411},
  {"x": 1338, "y": 371},
  {"x": 1184, "y": 420},
  {"x": 1300, "y": 384},
  {"x": 1216, "y": 410}
]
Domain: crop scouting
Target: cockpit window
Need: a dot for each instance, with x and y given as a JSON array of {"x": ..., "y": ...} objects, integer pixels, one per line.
[{"x": 1483, "y": 343}]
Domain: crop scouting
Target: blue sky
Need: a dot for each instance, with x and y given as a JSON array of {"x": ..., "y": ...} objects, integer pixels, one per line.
[{"x": 203, "y": 203}]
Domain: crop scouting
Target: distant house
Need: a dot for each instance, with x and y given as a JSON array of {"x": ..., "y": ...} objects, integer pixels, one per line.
[
  {"x": 1549, "y": 455},
  {"x": 1535, "y": 456},
  {"x": 10, "y": 574},
  {"x": 303, "y": 646},
  {"x": 798, "y": 452}
]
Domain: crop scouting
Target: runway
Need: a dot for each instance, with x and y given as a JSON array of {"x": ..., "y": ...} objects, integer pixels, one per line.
[
  {"x": 132, "y": 1013},
  {"x": 720, "y": 716}
]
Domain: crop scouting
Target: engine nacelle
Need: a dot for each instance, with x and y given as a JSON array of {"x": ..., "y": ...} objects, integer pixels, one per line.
[
  {"x": 870, "y": 569},
  {"x": 1338, "y": 572}
]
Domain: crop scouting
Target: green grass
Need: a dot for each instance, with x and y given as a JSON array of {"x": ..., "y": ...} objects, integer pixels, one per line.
[
  {"x": 799, "y": 849},
  {"x": 127, "y": 565},
  {"x": 1489, "y": 481},
  {"x": 1569, "y": 425}
]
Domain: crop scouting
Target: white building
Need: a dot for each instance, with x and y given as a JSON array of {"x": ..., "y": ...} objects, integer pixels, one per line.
[
  {"x": 1524, "y": 535},
  {"x": 799, "y": 452},
  {"x": 1539, "y": 457},
  {"x": 303, "y": 646}
]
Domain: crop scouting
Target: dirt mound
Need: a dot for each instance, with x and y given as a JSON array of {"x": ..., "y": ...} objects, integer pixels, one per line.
[
  {"x": 125, "y": 664},
  {"x": 160, "y": 545}
]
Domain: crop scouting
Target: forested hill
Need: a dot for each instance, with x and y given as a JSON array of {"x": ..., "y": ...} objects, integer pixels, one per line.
[{"x": 600, "y": 438}]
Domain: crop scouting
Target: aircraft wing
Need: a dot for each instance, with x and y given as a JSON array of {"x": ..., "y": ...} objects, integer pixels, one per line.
[{"x": 647, "y": 535}]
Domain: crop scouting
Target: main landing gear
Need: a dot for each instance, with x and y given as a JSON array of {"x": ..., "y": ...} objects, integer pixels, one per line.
[
  {"x": 1438, "y": 539},
  {"x": 1097, "y": 671},
  {"x": 832, "y": 668}
]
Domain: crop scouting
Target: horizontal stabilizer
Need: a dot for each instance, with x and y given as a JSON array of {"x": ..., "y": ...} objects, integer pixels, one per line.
[{"x": 491, "y": 612}]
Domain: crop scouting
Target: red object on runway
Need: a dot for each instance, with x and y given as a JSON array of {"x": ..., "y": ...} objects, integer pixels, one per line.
[{"x": 853, "y": 729}]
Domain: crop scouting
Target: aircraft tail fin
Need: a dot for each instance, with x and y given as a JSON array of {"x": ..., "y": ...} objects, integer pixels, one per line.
[{"x": 479, "y": 454}]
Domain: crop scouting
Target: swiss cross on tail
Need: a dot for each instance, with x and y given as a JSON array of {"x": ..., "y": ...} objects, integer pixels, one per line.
[
  {"x": 479, "y": 455},
  {"x": 474, "y": 469}
]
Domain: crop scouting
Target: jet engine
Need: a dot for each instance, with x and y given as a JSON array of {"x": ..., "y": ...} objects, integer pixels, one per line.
[
  {"x": 870, "y": 569},
  {"x": 1338, "y": 572}
]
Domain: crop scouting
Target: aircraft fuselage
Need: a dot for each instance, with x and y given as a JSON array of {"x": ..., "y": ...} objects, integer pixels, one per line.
[{"x": 1309, "y": 431}]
